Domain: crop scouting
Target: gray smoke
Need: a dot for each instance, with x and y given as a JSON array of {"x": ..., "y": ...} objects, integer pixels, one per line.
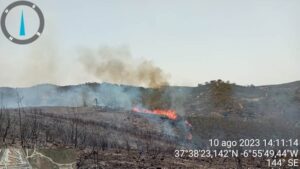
[{"x": 116, "y": 65}]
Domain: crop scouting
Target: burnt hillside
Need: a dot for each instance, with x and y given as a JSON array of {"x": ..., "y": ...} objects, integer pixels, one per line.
[{"x": 216, "y": 98}]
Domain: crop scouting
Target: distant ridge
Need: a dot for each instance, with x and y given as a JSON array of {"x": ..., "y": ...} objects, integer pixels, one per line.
[
  {"x": 294, "y": 83},
  {"x": 279, "y": 98}
]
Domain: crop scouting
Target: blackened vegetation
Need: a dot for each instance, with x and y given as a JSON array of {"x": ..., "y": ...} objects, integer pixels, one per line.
[
  {"x": 104, "y": 129},
  {"x": 41, "y": 128},
  {"x": 205, "y": 128}
]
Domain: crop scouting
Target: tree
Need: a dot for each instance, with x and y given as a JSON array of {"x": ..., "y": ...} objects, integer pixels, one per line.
[
  {"x": 8, "y": 123},
  {"x": 221, "y": 94},
  {"x": 34, "y": 128},
  {"x": 75, "y": 124},
  {"x": 19, "y": 102}
]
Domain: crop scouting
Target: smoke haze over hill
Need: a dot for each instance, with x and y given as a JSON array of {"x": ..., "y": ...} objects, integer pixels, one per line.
[{"x": 116, "y": 65}]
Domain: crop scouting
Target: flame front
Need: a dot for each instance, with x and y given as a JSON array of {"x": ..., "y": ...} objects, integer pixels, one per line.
[{"x": 171, "y": 114}]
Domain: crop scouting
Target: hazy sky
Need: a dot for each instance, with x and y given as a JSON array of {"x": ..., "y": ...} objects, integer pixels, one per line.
[{"x": 194, "y": 41}]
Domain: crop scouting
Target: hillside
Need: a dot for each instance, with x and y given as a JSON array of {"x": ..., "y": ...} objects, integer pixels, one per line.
[
  {"x": 90, "y": 125},
  {"x": 245, "y": 101}
]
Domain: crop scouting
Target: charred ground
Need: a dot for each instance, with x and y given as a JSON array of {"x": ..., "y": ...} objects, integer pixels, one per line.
[{"x": 96, "y": 121}]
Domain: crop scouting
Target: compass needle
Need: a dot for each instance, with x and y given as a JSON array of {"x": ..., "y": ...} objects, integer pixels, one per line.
[
  {"x": 24, "y": 35},
  {"x": 22, "y": 25}
]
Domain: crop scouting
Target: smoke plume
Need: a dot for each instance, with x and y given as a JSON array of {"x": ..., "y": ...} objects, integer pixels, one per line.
[{"x": 116, "y": 65}]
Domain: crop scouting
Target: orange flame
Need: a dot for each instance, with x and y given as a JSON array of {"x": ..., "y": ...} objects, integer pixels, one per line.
[{"x": 171, "y": 114}]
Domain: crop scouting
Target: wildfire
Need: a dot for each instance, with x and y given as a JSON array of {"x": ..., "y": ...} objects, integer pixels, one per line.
[{"x": 171, "y": 114}]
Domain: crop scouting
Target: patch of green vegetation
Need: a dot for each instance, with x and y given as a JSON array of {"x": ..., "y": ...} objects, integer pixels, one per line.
[{"x": 62, "y": 156}]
